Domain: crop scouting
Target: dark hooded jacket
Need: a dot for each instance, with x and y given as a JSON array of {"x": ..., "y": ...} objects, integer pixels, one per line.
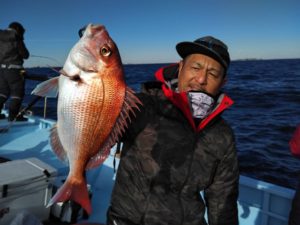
[
  {"x": 167, "y": 160},
  {"x": 12, "y": 48}
]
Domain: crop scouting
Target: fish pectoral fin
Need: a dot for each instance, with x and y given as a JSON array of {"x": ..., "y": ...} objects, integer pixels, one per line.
[
  {"x": 57, "y": 146},
  {"x": 48, "y": 88},
  {"x": 64, "y": 73}
]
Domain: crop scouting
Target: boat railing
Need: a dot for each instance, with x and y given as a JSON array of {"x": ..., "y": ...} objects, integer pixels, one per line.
[
  {"x": 45, "y": 107},
  {"x": 27, "y": 110},
  {"x": 263, "y": 203}
]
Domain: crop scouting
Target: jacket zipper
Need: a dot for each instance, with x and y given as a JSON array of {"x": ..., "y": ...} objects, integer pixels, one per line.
[{"x": 184, "y": 183}]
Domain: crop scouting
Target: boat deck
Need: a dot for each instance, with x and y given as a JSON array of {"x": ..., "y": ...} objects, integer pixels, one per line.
[
  {"x": 260, "y": 203},
  {"x": 23, "y": 140}
]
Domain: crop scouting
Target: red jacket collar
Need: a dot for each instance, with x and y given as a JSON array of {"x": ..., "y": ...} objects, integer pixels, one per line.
[{"x": 181, "y": 101}]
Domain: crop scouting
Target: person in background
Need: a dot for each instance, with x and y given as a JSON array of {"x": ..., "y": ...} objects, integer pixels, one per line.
[
  {"x": 12, "y": 54},
  {"x": 294, "y": 218},
  {"x": 179, "y": 145}
]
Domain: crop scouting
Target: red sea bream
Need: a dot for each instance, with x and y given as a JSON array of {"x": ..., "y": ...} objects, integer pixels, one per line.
[{"x": 94, "y": 104}]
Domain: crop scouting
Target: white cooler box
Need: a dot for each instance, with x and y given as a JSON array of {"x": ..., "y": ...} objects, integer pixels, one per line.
[{"x": 25, "y": 185}]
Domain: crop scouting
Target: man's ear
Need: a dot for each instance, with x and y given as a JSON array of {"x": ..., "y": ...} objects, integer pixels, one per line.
[{"x": 180, "y": 65}]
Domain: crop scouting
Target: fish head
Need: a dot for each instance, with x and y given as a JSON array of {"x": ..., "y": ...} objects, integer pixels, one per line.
[{"x": 94, "y": 52}]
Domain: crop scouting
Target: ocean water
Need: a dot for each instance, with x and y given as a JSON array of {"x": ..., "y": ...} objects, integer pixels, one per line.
[{"x": 265, "y": 114}]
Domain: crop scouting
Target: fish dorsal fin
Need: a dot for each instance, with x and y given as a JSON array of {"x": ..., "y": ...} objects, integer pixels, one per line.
[
  {"x": 130, "y": 102},
  {"x": 48, "y": 88},
  {"x": 57, "y": 146}
]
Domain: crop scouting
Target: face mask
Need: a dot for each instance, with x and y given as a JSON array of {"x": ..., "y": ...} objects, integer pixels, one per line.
[{"x": 201, "y": 104}]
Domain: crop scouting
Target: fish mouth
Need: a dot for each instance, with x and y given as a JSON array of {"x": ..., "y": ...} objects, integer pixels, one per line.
[
  {"x": 95, "y": 50},
  {"x": 86, "y": 55},
  {"x": 91, "y": 29}
]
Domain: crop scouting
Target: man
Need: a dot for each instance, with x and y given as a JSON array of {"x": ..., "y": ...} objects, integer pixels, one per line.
[
  {"x": 178, "y": 145},
  {"x": 12, "y": 54}
]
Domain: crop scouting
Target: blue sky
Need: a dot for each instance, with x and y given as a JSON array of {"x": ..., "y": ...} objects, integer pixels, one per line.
[{"x": 147, "y": 31}]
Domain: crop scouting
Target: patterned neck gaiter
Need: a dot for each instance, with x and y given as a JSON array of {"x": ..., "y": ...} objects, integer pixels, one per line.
[{"x": 201, "y": 104}]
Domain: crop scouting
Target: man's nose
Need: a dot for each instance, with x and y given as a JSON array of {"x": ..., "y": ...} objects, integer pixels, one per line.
[{"x": 201, "y": 77}]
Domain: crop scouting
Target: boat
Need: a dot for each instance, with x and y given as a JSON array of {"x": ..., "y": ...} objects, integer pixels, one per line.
[{"x": 259, "y": 203}]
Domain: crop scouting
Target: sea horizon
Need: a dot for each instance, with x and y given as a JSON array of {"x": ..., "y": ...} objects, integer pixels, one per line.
[{"x": 166, "y": 63}]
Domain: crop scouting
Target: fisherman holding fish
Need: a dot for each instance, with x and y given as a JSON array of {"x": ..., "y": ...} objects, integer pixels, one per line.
[
  {"x": 175, "y": 142},
  {"x": 178, "y": 146}
]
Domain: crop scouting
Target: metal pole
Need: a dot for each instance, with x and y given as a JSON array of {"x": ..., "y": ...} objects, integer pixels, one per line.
[{"x": 45, "y": 107}]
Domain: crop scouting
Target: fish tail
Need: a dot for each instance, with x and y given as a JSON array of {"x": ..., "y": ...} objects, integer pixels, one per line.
[{"x": 76, "y": 192}]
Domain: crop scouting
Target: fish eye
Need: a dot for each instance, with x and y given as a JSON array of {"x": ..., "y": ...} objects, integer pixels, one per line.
[{"x": 105, "y": 51}]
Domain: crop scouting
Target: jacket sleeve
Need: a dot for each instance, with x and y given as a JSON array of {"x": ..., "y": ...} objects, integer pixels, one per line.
[
  {"x": 221, "y": 196},
  {"x": 23, "y": 51}
]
